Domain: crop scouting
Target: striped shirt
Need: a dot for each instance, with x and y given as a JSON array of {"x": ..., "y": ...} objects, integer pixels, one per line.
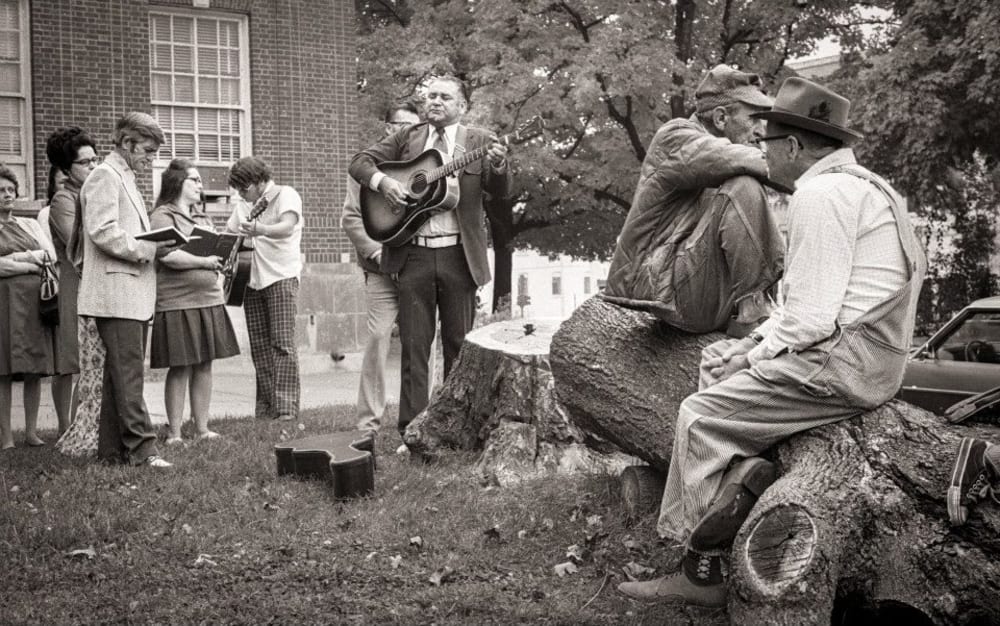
[{"x": 844, "y": 257}]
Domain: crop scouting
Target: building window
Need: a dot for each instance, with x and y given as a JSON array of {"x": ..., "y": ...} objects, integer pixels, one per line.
[
  {"x": 556, "y": 285},
  {"x": 586, "y": 284},
  {"x": 15, "y": 92},
  {"x": 200, "y": 91}
]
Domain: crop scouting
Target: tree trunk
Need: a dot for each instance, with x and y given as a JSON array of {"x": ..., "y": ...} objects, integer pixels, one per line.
[
  {"x": 857, "y": 525},
  {"x": 500, "y": 214},
  {"x": 499, "y": 398},
  {"x": 622, "y": 374}
]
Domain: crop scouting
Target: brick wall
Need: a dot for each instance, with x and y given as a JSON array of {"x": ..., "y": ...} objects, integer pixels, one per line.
[{"x": 90, "y": 64}]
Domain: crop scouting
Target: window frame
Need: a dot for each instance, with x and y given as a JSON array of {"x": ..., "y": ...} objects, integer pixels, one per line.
[
  {"x": 27, "y": 157},
  {"x": 244, "y": 109}
]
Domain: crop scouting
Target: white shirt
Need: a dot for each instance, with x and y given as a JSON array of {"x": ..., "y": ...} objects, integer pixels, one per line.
[
  {"x": 273, "y": 259},
  {"x": 844, "y": 258}
]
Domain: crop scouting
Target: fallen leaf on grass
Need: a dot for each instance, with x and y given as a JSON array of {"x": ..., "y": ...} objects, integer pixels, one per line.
[
  {"x": 416, "y": 541},
  {"x": 204, "y": 560},
  {"x": 15, "y": 489},
  {"x": 576, "y": 553},
  {"x": 441, "y": 576},
  {"x": 569, "y": 567},
  {"x": 521, "y": 534},
  {"x": 46, "y": 494},
  {"x": 548, "y": 523},
  {"x": 630, "y": 544},
  {"x": 594, "y": 520},
  {"x": 633, "y": 571},
  {"x": 370, "y": 556},
  {"x": 270, "y": 507},
  {"x": 395, "y": 561},
  {"x": 186, "y": 528},
  {"x": 88, "y": 552}
]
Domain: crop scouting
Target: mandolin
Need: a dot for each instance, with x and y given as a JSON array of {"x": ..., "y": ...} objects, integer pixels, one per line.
[
  {"x": 430, "y": 185},
  {"x": 237, "y": 267}
]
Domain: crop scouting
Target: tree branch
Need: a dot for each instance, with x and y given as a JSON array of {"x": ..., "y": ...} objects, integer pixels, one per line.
[
  {"x": 623, "y": 119},
  {"x": 579, "y": 138}
]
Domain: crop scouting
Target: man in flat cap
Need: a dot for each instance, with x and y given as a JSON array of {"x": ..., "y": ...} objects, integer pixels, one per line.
[
  {"x": 836, "y": 347},
  {"x": 700, "y": 245}
]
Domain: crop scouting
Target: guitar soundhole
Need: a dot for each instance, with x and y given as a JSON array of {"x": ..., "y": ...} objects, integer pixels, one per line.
[{"x": 418, "y": 185}]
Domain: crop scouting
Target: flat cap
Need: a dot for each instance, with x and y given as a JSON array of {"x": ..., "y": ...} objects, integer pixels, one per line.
[{"x": 723, "y": 85}]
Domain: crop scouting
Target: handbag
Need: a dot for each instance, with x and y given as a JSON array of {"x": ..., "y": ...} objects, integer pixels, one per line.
[{"x": 49, "y": 293}]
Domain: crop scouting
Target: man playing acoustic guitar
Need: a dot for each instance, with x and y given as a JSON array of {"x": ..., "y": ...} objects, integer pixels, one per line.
[
  {"x": 440, "y": 267},
  {"x": 271, "y": 300}
]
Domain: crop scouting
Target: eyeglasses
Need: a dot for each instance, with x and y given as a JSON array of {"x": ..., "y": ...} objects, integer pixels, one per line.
[
  {"x": 146, "y": 149},
  {"x": 94, "y": 161},
  {"x": 398, "y": 124},
  {"x": 760, "y": 140},
  {"x": 11, "y": 190},
  {"x": 196, "y": 179}
]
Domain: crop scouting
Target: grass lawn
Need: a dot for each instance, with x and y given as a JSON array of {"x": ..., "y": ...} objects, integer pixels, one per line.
[{"x": 221, "y": 539}]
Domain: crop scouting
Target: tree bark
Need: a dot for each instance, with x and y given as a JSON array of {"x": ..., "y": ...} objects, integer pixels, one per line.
[
  {"x": 499, "y": 398},
  {"x": 622, "y": 375},
  {"x": 856, "y": 524}
]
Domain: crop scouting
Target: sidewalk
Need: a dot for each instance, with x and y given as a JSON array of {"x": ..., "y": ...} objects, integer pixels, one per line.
[{"x": 323, "y": 382}]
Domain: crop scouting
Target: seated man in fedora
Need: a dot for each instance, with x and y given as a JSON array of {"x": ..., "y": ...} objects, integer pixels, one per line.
[
  {"x": 835, "y": 348},
  {"x": 700, "y": 244}
]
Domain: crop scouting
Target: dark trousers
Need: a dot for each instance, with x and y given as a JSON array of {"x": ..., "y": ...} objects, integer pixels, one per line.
[
  {"x": 270, "y": 314},
  {"x": 124, "y": 429},
  {"x": 433, "y": 280}
]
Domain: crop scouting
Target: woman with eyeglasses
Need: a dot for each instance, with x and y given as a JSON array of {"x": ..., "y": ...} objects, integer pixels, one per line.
[
  {"x": 25, "y": 343},
  {"x": 190, "y": 327},
  {"x": 73, "y": 156}
]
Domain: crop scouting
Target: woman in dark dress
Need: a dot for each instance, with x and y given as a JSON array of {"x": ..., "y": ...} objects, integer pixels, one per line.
[
  {"x": 73, "y": 153},
  {"x": 25, "y": 343},
  {"x": 190, "y": 327}
]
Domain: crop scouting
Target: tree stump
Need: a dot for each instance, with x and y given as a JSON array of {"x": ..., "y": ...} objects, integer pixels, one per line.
[
  {"x": 499, "y": 398},
  {"x": 857, "y": 524}
]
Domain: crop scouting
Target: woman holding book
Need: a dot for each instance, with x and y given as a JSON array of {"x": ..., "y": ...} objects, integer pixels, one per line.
[{"x": 190, "y": 327}]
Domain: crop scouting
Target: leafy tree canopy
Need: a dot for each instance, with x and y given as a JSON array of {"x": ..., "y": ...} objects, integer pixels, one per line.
[{"x": 604, "y": 74}]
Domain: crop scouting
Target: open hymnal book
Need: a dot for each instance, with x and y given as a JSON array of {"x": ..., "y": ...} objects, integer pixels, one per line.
[
  {"x": 167, "y": 233},
  {"x": 206, "y": 242}
]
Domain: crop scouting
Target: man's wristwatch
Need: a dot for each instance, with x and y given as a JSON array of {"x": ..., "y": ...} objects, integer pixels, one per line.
[{"x": 757, "y": 337}]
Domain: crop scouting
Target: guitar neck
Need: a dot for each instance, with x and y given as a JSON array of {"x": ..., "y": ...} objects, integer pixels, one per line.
[{"x": 453, "y": 166}]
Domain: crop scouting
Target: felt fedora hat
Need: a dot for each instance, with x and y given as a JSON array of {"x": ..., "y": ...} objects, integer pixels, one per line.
[{"x": 801, "y": 103}]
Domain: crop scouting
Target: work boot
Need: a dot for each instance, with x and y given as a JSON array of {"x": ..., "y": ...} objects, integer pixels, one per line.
[
  {"x": 974, "y": 476},
  {"x": 699, "y": 583},
  {"x": 741, "y": 486}
]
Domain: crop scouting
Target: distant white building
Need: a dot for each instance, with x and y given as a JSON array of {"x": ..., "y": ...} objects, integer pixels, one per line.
[{"x": 552, "y": 287}]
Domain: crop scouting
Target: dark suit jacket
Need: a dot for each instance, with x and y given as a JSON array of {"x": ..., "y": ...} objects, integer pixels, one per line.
[{"x": 476, "y": 179}]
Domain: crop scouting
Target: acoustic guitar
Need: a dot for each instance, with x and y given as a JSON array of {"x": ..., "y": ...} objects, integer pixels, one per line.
[
  {"x": 236, "y": 270},
  {"x": 430, "y": 185}
]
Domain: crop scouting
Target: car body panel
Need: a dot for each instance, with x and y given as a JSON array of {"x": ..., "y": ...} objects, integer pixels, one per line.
[{"x": 946, "y": 370}]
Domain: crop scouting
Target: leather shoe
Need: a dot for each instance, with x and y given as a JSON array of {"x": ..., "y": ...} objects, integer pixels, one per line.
[
  {"x": 738, "y": 493},
  {"x": 677, "y": 589}
]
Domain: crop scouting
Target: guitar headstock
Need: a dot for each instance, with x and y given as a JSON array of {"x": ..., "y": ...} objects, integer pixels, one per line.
[
  {"x": 527, "y": 131},
  {"x": 258, "y": 208}
]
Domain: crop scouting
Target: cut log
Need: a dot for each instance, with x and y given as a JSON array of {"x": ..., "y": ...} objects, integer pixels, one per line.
[
  {"x": 499, "y": 398},
  {"x": 856, "y": 526},
  {"x": 622, "y": 374},
  {"x": 860, "y": 512}
]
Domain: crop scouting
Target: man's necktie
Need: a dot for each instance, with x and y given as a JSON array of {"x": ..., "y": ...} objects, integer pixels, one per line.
[{"x": 441, "y": 143}]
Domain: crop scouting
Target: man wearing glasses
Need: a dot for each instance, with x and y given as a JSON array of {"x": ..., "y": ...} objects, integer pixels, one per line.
[
  {"x": 118, "y": 286},
  {"x": 700, "y": 245},
  {"x": 381, "y": 290},
  {"x": 836, "y": 347},
  {"x": 271, "y": 300}
]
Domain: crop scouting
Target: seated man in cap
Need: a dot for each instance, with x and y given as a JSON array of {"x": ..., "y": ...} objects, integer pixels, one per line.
[
  {"x": 835, "y": 348},
  {"x": 700, "y": 241}
]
